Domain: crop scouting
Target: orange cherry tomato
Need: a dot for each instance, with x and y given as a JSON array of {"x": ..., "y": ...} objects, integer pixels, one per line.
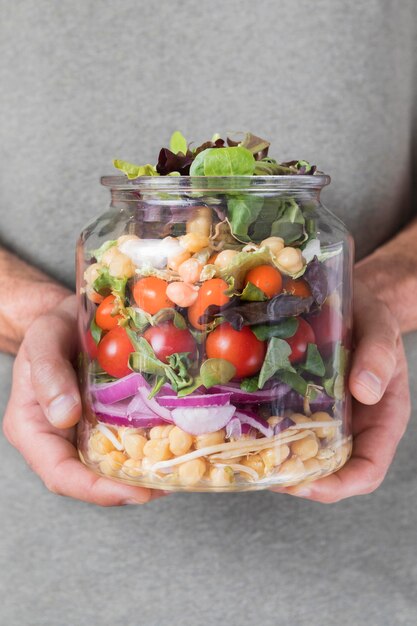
[
  {"x": 267, "y": 278},
  {"x": 150, "y": 294},
  {"x": 212, "y": 258},
  {"x": 297, "y": 287},
  {"x": 211, "y": 292},
  {"x": 104, "y": 314}
]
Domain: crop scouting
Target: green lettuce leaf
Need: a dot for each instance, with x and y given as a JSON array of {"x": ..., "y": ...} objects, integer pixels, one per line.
[
  {"x": 283, "y": 330},
  {"x": 134, "y": 171},
  {"x": 178, "y": 143},
  {"x": 242, "y": 212},
  {"x": 105, "y": 283},
  {"x": 235, "y": 161},
  {"x": 314, "y": 363},
  {"x": 95, "y": 331},
  {"x": 251, "y": 293},
  {"x": 169, "y": 314},
  {"x": 99, "y": 252},
  {"x": 216, "y": 372},
  {"x": 276, "y": 360}
]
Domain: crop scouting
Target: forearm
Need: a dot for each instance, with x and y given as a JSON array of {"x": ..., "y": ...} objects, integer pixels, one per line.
[
  {"x": 25, "y": 293},
  {"x": 391, "y": 273}
]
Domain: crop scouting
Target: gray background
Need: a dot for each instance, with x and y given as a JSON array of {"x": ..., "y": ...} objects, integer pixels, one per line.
[{"x": 83, "y": 82}]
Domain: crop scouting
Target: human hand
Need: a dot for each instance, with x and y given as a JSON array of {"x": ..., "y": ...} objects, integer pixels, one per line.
[
  {"x": 44, "y": 407},
  {"x": 378, "y": 382}
]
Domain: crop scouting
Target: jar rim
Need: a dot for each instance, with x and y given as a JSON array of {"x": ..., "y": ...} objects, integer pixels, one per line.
[{"x": 218, "y": 183}]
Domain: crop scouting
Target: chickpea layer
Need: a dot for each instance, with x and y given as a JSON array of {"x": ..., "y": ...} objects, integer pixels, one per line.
[{"x": 306, "y": 452}]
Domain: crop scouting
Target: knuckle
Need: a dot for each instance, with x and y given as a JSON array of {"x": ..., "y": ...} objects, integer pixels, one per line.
[
  {"x": 44, "y": 368},
  {"x": 8, "y": 431},
  {"x": 52, "y": 486}
]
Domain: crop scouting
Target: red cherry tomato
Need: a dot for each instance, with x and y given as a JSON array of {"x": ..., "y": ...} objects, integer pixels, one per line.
[
  {"x": 297, "y": 287},
  {"x": 266, "y": 278},
  {"x": 166, "y": 339},
  {"x": 299, "y": 342},
  {"x": 150, "y": 294},
  {"x": 90, "y": 345},
  {"x": 211, "y": 292},
  {"x": 113, "y": 352},
  {"x": 328, "y": 328},
  {"x": 104, "y": 318},
  {"x": 239, "y": 347}
]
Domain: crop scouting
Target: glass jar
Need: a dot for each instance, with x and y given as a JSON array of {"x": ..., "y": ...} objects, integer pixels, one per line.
[{"x": 215, "y": 316}]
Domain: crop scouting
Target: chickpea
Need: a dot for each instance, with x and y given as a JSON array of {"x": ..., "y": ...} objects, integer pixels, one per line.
[
  {"x": 190, "y": 270},
  {"x": 292, "y": 469},
  {"x": 100, "y": 444},
  {"x": 328, "y": 465},
  {"x": 221, "y": 476},
  {"x": 124, "y": 238},
  {"x": 134, "y": 444},
  {"x": 306, "y": 448},
  {"x": 275, "y": 244},
  {"x": 92, "y": 273},
  {"x": 224, "y": 258},
  {"x": 157, "y": 450},
  {"x": 299, "y": 418},
  {"x": 112, "y": 463},
  {"x": 254, "y": 461},
  {"x": 312, "y": 466},
  {"x": 160, "y": 432},
  {"x": 194, "y": 242},
  {"x": 343, "y": 453},
  {"x": 200, "y": 221},
  {"x": 132, "y": 468},
  {"x": 179, "y": 441},
  {"x": 109, "y": 254},
  {"x": 324, "y": 433},
  {"x": 182, "y": 294},
  {"x": 191, "y": 472},
  {"x": 174, "y": 262},
  {"x": 290, "y": 259},
  {"x": 209, "y": 439},
  {"x": 274, "y": 456},
  {"x": 121, "y": 266}
]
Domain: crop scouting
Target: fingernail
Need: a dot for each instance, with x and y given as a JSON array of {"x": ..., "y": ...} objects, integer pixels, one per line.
[
  {"x": 371, "y": 382},
  {"x": 60, "y": 408}
]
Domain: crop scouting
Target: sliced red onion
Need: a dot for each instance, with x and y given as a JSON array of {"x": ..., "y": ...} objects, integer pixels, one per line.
[
  {"x": 201, "y": 420},
  {"x": 275, "y": 393},
  {"x": 234, "y": 428},
  {"x": 208, "y": 399},
  {"x": 125, "y": 387},
  {"x": 133, "y": 421},
  {"x": 118, "y": 409},
  {"x": 285, "y": 423},
  {"x": 248, "y": 417},
  {"x": 153, "y": 405}
]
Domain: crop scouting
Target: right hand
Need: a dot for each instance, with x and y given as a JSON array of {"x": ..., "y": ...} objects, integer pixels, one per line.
[{"x": 44, "y": 407}]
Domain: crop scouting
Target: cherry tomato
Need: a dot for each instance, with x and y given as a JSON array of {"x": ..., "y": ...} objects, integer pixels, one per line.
[
  {"x": 113, "y": 352},
  {"x": 104, "y": 318},
  {"x": 239, "y": 347},
  {"x": 297, "y": 287},
  {"x": 299, "y": 342},
  {"x": 90, "y": 345},
  {"x": 166, "y": 339},
  {"x": 150, "y": 294},
  {"x": 266, "y": 278},
  {"x": 211, "y": 292},
  {"x": 328, "y": 328}
]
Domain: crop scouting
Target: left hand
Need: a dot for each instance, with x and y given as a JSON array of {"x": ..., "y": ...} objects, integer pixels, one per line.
[{"x": 381, "y": 408}]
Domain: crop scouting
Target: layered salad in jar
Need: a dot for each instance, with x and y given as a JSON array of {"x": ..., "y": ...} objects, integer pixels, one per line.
[{"x": 216, "y": 346}]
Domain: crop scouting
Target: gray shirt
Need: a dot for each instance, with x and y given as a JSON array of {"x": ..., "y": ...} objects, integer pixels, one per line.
[{"x": 83, "y": 82}]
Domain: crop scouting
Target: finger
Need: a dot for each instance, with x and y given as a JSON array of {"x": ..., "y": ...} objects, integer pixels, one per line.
[
  {"x": 374, "y": 359},
  {"x": 49, "y": 346}
]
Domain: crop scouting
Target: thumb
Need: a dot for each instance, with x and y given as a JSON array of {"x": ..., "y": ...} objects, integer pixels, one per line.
[
  {"x": 375, "y": 357},
  {"x": 50, "y": 344}
]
